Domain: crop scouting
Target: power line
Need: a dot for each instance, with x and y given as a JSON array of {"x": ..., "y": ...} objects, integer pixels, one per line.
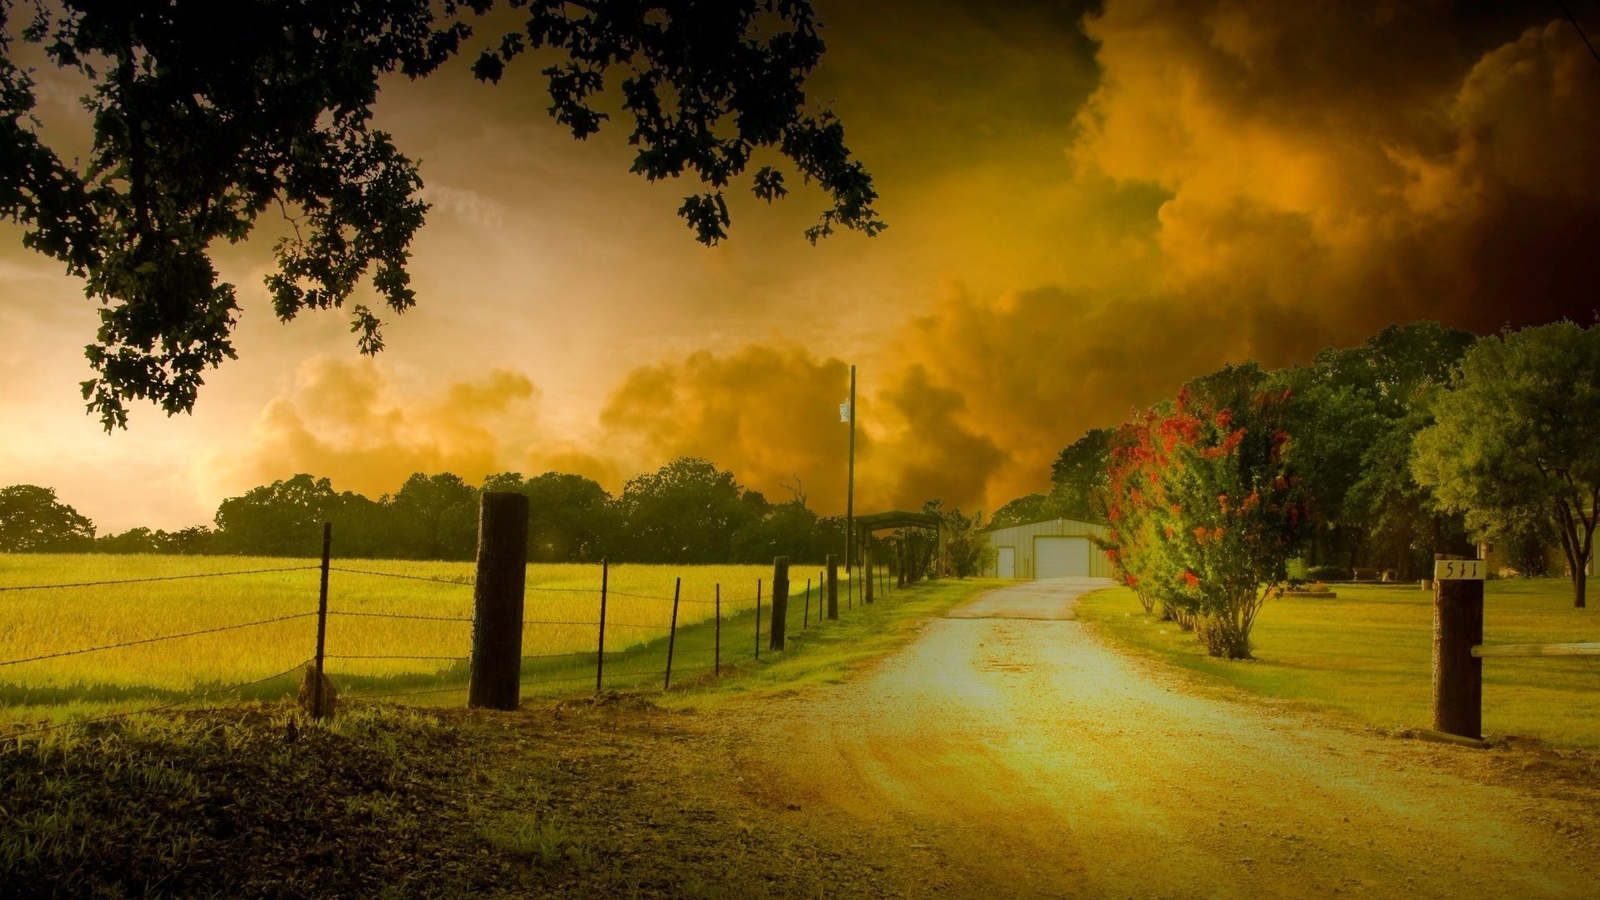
[{"x": 1579, "y": 29}]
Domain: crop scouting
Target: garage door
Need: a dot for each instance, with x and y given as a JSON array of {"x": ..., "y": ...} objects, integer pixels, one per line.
[{"x": 1055, "y": 557}]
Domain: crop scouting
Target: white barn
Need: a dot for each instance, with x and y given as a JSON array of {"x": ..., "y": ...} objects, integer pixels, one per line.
[{"x": 1052, "y": 548}]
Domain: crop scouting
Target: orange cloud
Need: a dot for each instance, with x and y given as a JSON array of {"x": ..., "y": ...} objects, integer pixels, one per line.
[
  {"x": 1352, "y": 166},
  {"x": 348, "y": 420},
  {"x": 767, "y": 413}
]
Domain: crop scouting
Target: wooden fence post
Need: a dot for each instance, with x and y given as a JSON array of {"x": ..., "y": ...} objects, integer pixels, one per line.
[
  {"x": 497, "y": 601},
  {"x": 833, "y": 587},
  {"x": 716, "y": 652},
  {"x": 780, "y": 602},
  {"x": 805, "y": 620},
  {"x": 866, "y": 568},
  {"x": 672, "y": 632},
  {"x": 1457, "y": 628},
  {"x": 600, "y": 655},
  {"x": 319, "y": 700},
  {"x": 758, "y": 618}
]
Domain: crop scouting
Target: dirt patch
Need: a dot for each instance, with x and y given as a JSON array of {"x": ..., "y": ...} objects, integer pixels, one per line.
[{"x": 602, "y": 797}]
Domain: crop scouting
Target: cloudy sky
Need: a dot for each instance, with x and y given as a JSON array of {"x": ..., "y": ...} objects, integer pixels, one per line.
[{"x": 1085, "y": 208}]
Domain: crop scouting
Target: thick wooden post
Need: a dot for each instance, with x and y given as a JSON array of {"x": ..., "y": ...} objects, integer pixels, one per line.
[
  {"x": 833, "y": 587},
  {"x": 780, "y": 602},
  {"x": 758, "y": 618},
  {"x": 805, "y": 620},
  {"x": 497, "y": 601},
  {"x": 1457, "y": 674},
  {"x": 672, "y": 632},
  {"x": 319, "y": 699}
]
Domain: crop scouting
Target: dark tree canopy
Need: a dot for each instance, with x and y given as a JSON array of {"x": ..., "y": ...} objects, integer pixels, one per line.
[
  {"x": 207, "y": 114},
  {"x": 32, "y": 520}
]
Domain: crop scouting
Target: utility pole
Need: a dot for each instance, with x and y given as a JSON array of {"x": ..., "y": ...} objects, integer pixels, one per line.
[{"x": 850, "y": 489}]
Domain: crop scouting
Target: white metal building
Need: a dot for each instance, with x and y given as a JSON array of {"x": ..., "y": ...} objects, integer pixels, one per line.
[{"x": 1052, "y": 548}]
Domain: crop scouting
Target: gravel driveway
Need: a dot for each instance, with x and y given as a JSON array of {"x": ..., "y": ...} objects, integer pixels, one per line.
[{"x": 1008, "y": 752}]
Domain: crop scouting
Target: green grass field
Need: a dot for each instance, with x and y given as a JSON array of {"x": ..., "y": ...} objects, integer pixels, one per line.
[
  {"x": 1367, "y": 655},
  {"x": 368, "y": 652}
]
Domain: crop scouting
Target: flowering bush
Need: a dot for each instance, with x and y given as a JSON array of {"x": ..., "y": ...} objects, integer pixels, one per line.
[{"x": 1205, "y": 511}]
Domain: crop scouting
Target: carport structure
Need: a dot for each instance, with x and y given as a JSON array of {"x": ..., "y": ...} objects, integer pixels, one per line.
[{"x": 894, "y": 520}]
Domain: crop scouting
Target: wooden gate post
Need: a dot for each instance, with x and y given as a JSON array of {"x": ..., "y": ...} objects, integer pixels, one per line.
[
  {"x": 1457, "y": 628},
  {"x": 497, "y": 601},
  {"x": 780, "y": 603},
  {"x": 833, "y": 588}
]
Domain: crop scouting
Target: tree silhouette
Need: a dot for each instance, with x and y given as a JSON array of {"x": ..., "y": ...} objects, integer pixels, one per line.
[{"x": 206, "y": 115}]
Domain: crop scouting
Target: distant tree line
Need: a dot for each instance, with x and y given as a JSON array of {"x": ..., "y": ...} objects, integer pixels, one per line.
[{"x": 688, "y": 511}]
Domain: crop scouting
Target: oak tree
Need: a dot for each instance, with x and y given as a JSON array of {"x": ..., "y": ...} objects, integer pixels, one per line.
[
  {"x": 207, "y": 115},
  {"x": 1516, "y": 439}
]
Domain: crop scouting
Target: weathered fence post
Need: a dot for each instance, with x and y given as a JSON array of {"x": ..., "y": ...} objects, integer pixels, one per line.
[
  {"x": 716, "y": 651},
  {"x": 1457, "y": 628},
  {"x": 600, "y": 655},
  {"x": 866, "y": 568},
  {"x": 319, "y": 700},
  {"x": 758, "y": 618},
  {"x": 805, "y": 620},
  {"x": 899, "y": 566},
  {"x": 780, "y": 602},
  {"x": 833, "y": 587},
  {"x": 497, "y": 601},
  {"x": 672, "y": 632}
]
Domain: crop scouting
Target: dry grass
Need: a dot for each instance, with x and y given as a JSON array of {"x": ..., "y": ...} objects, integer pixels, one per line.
[{"x": 363, "y": 645}]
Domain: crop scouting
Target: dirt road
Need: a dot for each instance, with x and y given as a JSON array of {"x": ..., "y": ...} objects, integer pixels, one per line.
[{"x": 1010, "y": 753}]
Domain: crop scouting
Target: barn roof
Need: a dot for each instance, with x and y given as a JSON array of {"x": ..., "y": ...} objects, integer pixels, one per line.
[
  {"x": 1032, "y": 522},
  {"x": 898, "y": 518}
]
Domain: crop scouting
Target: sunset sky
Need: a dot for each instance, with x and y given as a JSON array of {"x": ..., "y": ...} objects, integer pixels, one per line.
[{"x": 1084, "y": 211}]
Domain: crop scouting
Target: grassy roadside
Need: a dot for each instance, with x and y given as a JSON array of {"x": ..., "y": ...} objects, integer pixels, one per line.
[
  {"x": 612, "y": 795},
  {"x": 1367, "y": 656}
]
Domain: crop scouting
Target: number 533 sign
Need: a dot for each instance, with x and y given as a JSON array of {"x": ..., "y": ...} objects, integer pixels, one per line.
[{"x": 1458, "y": 570}]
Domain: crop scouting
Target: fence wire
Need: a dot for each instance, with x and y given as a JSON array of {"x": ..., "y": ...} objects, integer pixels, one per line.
[
  {"x": 78, "y": 584},
  {"x": 153, "y": 640},
  {"x": 435, "y": 580},
  {"x": 730, "y": 655},
  {"x": 159, "y": 707},
  {"x": 373, "y": 615}
]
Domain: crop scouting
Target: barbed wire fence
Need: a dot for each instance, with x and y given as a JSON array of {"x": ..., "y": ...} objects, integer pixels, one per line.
[{"x": 643, "y": 653}]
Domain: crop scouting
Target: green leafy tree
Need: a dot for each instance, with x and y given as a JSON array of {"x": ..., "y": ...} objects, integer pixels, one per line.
[
  {"x": 688, "y": 511},
  {"x": 1516, "y": 441},
  {"x": 134, "y": 540},
  {"x": 205, "y": 115},
  {"x": 1078, "y": 475},
  {"x": 32, "y": 520},
  {"x": 1024, "y": 509},
  {"x": 784, "y": 529},
  {"x": 1207, "y": 511},
  {"x": 280, "y": 519},
  {"x": 1355, "y": 410},
  {"x": 434, "y": 517},
  {"x": 570, "y": 518},
  {"x": 967, "y": 548}
]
